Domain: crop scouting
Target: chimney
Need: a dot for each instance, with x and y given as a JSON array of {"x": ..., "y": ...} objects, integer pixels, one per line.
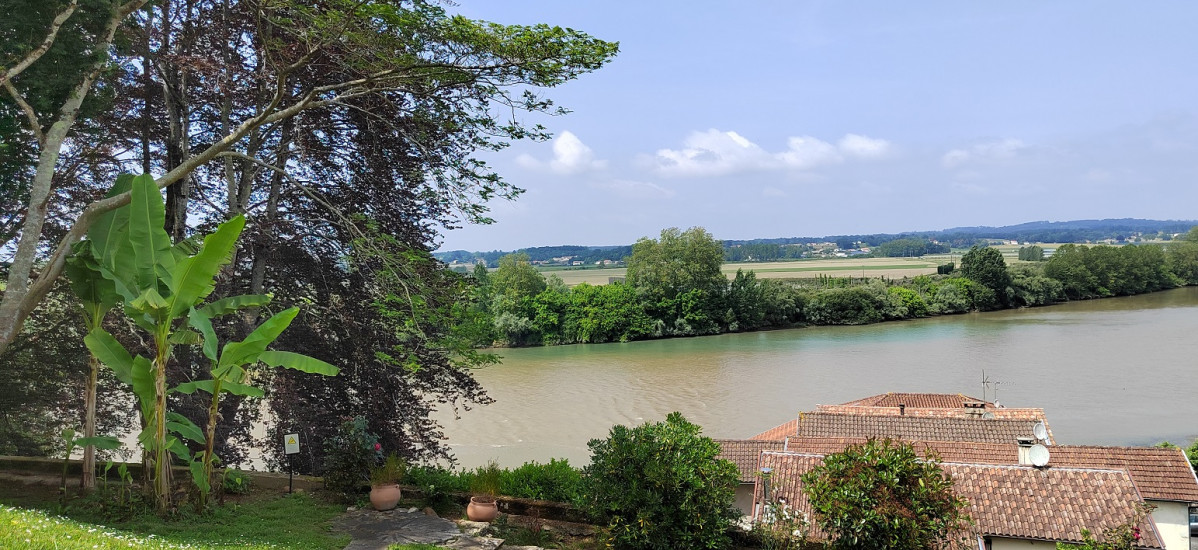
[
  {"x": 902, "y": 409},
  {"x": 1025, "y": 450}
]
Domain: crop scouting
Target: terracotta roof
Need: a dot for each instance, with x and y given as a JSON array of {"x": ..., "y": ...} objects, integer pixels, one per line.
[
  {"x": 919, "y": 400},
  {"x": 910, "y": 428},
  {"x": 789, "y": 429},
  {"x": 1159, "y": 474},
  {"x": 744, "y": 453},
  {"x": 1048, "y": 504},
  {"x": 1019, "y": 502},
  {"x": 1027, "y": 413}
]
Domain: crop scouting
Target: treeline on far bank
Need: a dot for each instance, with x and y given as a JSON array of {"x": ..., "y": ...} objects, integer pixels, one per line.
[{"x": 674, "y": 287}]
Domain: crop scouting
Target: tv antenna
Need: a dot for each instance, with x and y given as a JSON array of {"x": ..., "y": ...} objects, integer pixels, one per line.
[{"x": 990, "y": 386}]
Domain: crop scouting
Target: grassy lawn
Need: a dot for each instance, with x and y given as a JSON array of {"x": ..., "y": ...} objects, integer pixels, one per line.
[{"x": 262, "y": 520}]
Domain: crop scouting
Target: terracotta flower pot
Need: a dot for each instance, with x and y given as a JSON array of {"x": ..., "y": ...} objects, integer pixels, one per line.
[
  {"x": 480, "y": 510},
  {"x": 384, "y": 497}
]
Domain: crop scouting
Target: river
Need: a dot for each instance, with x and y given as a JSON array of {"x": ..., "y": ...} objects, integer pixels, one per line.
[{"x": 1118, "y": 371}]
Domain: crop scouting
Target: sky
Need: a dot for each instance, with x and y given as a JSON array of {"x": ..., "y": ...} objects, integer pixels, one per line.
[{"x": 806, "y": 118}]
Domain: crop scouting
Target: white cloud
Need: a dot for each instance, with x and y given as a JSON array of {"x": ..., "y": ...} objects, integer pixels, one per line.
[
  {"x": 570, "y": 156},
  {"x": 989, "y": 151},
  {"x": 631, "y": 189},
  {"x": 717, "y": 153},
  {"x": 807, "y": 152},
  {"x": 863, "y": 147},
  {"x": 773, "y": 192},
  {"x": 712, "y": 153}
]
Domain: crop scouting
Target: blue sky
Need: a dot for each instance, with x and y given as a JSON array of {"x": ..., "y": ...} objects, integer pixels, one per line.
[{"x": 777, "y": 119}]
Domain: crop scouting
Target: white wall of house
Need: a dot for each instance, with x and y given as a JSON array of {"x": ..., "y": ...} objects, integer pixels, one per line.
[
  {"x": 744, "y": 498},
  {"x": 1173, "y": 522},
  {"x": 998, "y": 543}
]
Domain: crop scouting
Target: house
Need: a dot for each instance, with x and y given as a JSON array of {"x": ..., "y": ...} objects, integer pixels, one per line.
[
  {"x": 745, "y": 453},
  {"x": 1162, "y": 476},
  {"x": 1011, "y": 506},
  {"x": 965, "y": 430}
]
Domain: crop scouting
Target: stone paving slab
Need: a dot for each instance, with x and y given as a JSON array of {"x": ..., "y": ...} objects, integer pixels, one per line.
[{"x": 374, "y": 530}]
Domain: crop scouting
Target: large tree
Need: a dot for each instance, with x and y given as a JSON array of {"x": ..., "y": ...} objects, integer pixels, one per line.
[
  {"x": 986, "y": 266},
  {"x": 679, "y": 275},
  {"x": 239, "y": 78},
  {"x": 346, "y": 132}
]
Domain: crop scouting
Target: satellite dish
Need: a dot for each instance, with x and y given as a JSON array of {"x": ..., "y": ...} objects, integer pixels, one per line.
[
  {"x": 1040, "y": 431},
  {"x": 1039, "y": 455},
  {"x": 988, "y": 415}
]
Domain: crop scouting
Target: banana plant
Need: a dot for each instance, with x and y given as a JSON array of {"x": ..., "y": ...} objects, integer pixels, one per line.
[
  {"x": 229, "y": 374},
  {"x": 98, "y": 296},
  {"x": 159, "y": 283},
  {"x": 163, "y": 288}
]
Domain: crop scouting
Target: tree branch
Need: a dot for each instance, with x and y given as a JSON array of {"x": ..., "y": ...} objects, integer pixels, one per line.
[
  {"x": 41, "y": 50},
  {"x": 30, "y": 115}
]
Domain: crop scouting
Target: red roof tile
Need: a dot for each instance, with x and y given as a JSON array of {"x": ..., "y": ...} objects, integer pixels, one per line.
[
  {"x": 919, "y": 400},
  {"x": 783, "y": 431},
  {"x": 1159, "y": 474},
  {"x": 1019, "y": 502},
  {"x": 910, "y": 428},
  {"x": 744, "y": 453}
]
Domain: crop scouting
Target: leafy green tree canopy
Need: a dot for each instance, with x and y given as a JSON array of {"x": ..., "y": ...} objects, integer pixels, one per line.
[
  {"x": 987, "y": 267},
  {"x": 660, "y": 486},
  {"x": 880, "y": 494},
  {"x": 676, "y": 263}
]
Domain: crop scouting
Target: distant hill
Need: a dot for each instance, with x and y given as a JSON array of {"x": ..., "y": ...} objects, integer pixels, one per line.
[{"x": 1076, "y": 231}]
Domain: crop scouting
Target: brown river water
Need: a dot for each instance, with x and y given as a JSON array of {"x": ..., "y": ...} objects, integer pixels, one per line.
[{"x": 1116, "y": 371}]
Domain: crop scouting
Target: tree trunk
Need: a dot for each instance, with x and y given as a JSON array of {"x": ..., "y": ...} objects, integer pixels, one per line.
[{"x": 89, "y": 426}]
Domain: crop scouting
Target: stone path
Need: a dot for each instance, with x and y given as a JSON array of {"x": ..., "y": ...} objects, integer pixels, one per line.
[{"x": 373, "y": 530}]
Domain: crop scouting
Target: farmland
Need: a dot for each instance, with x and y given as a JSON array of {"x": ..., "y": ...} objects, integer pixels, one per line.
[{"x": 835, "y": 267}]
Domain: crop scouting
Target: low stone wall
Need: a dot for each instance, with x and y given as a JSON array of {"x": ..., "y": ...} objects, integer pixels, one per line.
[{"x": 50, "y": 466}]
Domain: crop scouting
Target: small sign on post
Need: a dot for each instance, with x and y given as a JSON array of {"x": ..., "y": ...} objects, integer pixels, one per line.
[
  {"x": 290, "y": 447},
  {"x": 291, "y": 443}
]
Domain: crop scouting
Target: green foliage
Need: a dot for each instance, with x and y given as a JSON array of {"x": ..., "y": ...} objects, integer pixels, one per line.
[
  {"x": 987, "y": 267},
  {"x": 880, "y": 494},
  {"x": 349, "y": 457},
  {"x": 945, "y": 269},
  {"x": 844, "y": 306},
  {"x": 390, "y": 471},
  {"x": 676, "y": 263},
  {"x": 555, "y": 481},
  {"x": 905, "y": 248},
  {"x": 516, "y": 277},
  {"x": 235, "y": 481},
  {"x": 487, "y": 481},
  {"x": 660, "y": 486},
  {"x": 1101, "y": 271},
  {"x": 1033, "y": 253},
  {"x": 913, "y": 305}
]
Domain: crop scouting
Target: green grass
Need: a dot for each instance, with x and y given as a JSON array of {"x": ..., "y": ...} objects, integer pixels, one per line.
[{"x": 284, "y": 522}]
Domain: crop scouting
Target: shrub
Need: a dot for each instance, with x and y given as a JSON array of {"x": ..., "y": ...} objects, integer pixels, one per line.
[
  {"x": 880, "y": 494},
  {"x": 349, "y": 457},
  {"x": 236, "y": 481},
  {"x": 659, "y": 486},
  {"x": 556, "y": 481}
]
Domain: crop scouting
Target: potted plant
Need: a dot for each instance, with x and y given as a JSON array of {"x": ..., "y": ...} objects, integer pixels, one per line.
[
  {"x": 384, "y": 483},
  {"x": 484, "y": 488}
]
